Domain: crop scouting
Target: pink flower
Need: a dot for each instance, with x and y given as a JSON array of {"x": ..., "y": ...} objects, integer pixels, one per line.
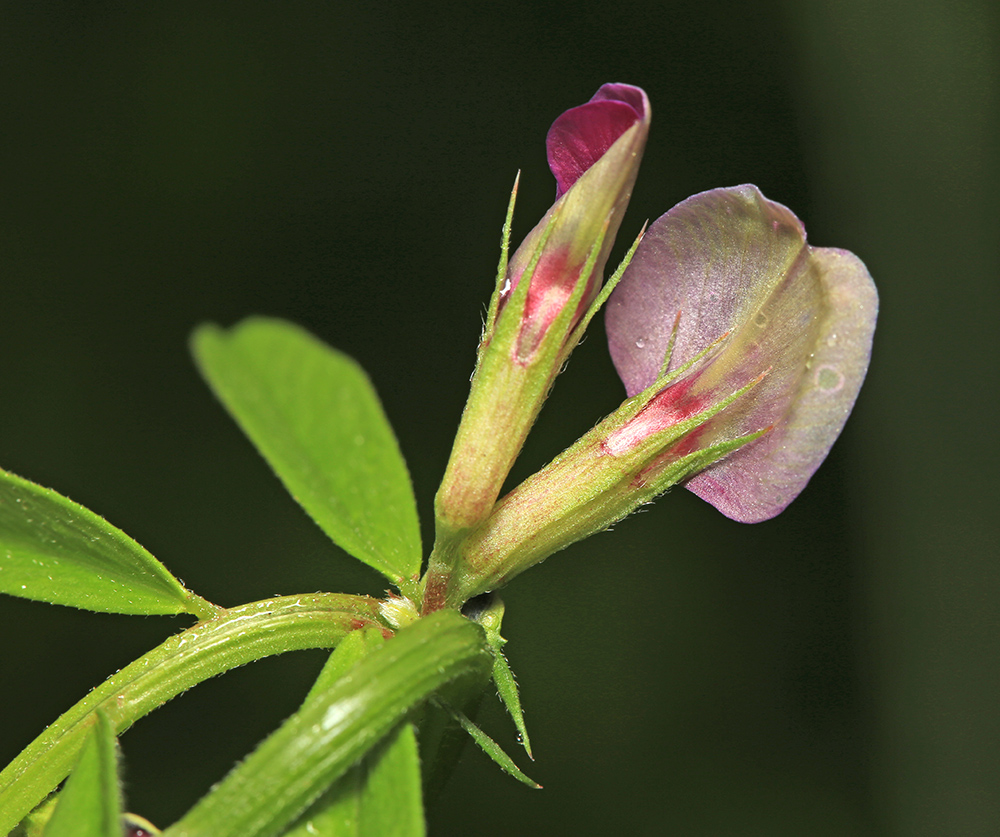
[
  {"x": 742, "y": 350},
  {"x": 794, "y": 324}
]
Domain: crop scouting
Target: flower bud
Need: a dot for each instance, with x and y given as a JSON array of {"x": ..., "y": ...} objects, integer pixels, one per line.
[
  {"x": 544, "y": 296},
  {"x": 594, "y": 152}
]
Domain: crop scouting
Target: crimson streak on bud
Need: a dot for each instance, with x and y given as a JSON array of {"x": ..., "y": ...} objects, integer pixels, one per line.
[
  {"x": 653, "y": 441},
  {"x": 586, "y": 150},
  {"x": 666, "y": 409}
]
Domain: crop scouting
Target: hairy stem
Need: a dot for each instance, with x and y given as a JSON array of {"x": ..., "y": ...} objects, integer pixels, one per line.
[{"x": 231, "y": 638}]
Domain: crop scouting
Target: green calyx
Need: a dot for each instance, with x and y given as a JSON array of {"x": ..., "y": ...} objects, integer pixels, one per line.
[
  {"x": 585, "y": 490},
  {"x": 514, "y": 372}
]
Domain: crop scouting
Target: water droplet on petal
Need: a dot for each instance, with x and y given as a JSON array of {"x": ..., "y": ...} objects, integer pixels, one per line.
[
  {"x": 640, "y": 343},
  {"x": 829, "y": 379}
]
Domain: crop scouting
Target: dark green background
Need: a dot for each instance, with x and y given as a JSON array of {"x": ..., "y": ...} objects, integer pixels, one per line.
[{"x": 832, "y": 672}]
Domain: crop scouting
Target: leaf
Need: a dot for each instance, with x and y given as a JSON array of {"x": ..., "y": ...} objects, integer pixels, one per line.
[
  {"x": 312, "y": 413},
  {"x": 391, "y": 798},
  {"x": 391, "y": 801},
  {"x": 503, "y": 679},
  {"x": 378, "y": 797},
  {"x": 90, "y": 803},
  {"x": 351, "y": 650},
  {"x": 487, "y": 609},
  {"x": 335, "y": 729},
  {"x": 381, "y": 795},
  {"x": 55, "y": 550},
  {"x": 491, "y": 748},
  {"x": 337, "y": 812},
  {"x": 33, "y": 825}
]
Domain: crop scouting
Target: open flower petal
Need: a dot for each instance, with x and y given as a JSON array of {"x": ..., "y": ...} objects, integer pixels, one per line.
[{"x": 731, "y": 264}]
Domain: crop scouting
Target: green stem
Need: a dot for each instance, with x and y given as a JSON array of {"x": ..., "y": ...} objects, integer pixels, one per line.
[
  {"x": 335, "y": 728},
  {"x": 436, "y": 581},
  {"x": 232, "y": 638},
  {"x": 202, "y": 608}
]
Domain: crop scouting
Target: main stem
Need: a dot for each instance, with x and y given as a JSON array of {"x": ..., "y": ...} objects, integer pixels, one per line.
[{"x": 232, "y": 638}]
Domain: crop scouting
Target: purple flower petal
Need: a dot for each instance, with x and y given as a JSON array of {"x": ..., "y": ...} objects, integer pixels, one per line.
[
  {"x": 733, "y": 263},
  {"x": 581, "y": 135}
]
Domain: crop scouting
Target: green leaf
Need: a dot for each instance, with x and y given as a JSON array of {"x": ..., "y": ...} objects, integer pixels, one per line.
[
  {"x": 33, "y": 825},
  {"x": 381, "y": 795},
  {"x": 378, "y": 797},
  {"x": 337, "y": 813},
  {"x": 335, "y": 729},
  {"x": 491, "y": 748},
  {"x": 351, "y": 650},
  {"x": 506, "y": 685},
  {"x": 55, "y": 550},
  {"x": 313, "y": 414},
  {"x": 90, "y": 803},
  {"x": 488, "y": 609},
  {"x": 391, "y": 802}
]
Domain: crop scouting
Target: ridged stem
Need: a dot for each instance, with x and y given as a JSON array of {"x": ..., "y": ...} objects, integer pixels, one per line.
[
  {"x": 336, "y": 727},
  {"x": 232, "y": 638}
]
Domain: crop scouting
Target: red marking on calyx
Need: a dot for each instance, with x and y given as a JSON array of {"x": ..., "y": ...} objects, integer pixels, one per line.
[
  {"x": 666, "y": 409},
  {"x": 681, "y": 448},
  {"x": 553, "y": 282}
]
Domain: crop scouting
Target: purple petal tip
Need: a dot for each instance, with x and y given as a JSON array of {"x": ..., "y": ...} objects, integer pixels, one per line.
[{"x": 581, "y": 135}]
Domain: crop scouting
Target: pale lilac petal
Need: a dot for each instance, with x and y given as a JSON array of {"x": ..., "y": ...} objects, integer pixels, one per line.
[
  {"x": 758, "y": 481},
  {"x": 711, "y": 258},
  {"x": 733, "y": 263},
  {"x": 581, "y": 135}
]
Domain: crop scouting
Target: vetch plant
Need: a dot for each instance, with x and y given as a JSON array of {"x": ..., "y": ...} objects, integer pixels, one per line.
[{"x": 742, "y": 350}]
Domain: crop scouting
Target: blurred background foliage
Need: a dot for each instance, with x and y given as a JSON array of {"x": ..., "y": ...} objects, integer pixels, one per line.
[{"x": 832, "y": 672}]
